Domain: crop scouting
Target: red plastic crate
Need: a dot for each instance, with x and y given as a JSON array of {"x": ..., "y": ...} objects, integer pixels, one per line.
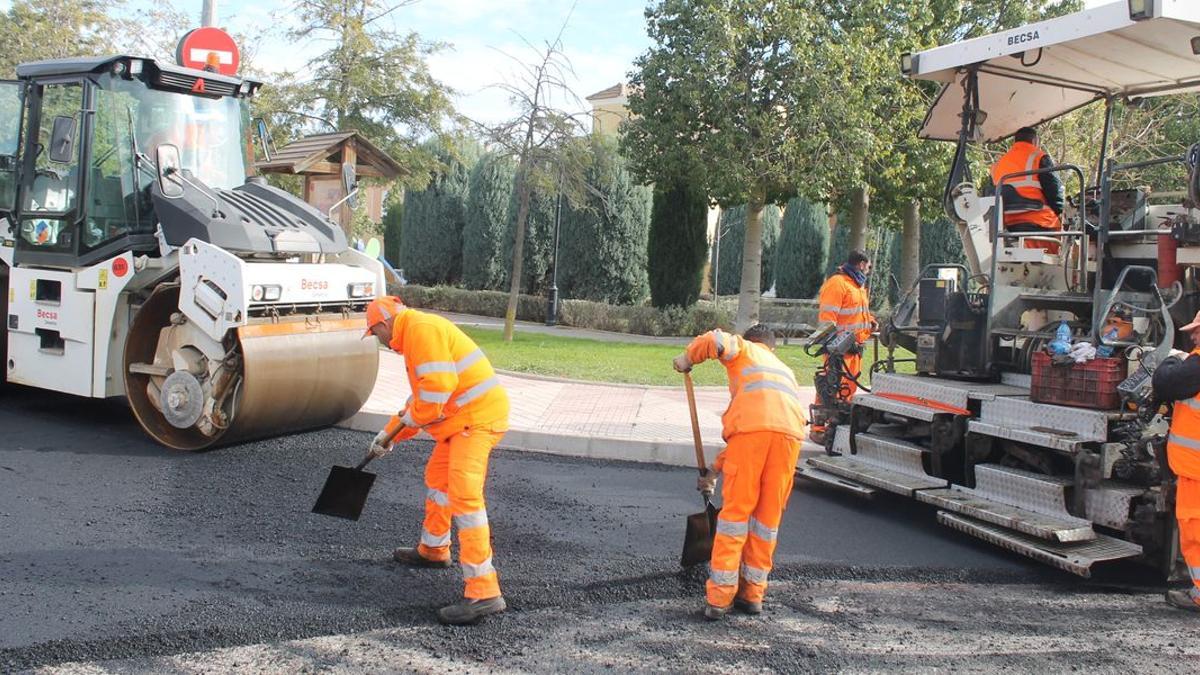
[{"x": 1083, "y": 385}]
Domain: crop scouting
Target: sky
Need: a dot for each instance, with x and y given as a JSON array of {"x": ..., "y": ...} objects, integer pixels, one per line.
[{"x": 601, "y": 40}]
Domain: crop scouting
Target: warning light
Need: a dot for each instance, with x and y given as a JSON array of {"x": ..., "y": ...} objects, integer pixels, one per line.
[{"x": 212, "y": 62}]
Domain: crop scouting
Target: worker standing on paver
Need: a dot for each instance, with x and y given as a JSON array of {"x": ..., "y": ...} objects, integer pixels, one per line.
[
  {"x": 1179, "y": 380},
  {"x": 1033, "y": 202},
  {"x": 458, "y": 400},
  {"x": 844, "y": 301},
  {"x": 763, "y": 428}
]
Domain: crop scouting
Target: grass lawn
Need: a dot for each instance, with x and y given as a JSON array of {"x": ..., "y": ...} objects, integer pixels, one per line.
[{"x": 622, "y": 362}]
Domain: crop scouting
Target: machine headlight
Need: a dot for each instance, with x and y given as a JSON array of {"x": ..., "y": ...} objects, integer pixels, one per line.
[
  {"x": 269, "y": 293},
  {"x": 1141, "y": 9},
  {"x": 362, "y": 290}
]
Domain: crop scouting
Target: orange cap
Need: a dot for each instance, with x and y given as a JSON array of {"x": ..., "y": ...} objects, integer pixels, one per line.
[
  {"x": 1194, "y": 324},
  {"x": 382, "y": 309}
]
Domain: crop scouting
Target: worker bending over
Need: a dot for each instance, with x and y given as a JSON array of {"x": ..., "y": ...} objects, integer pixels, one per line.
[
  {"x": 458, "y": 400},
  {"x": 1032, "y": 203},
  {"x": 844, "y": 301},
  {"x": 762, "y": 428},
  {"x": 1179, "y": 380}
]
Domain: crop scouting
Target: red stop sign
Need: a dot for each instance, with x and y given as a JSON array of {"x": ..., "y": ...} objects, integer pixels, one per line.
[{"x": 208, "y": 46}]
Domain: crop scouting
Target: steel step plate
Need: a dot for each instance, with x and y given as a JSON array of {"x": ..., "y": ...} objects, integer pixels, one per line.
[
  {"x": 885, "y": 463},
  {"x": 818, "y": 476},
  {"x": 1076, "y": 558},
  {"x": 1015, "y": 499}
]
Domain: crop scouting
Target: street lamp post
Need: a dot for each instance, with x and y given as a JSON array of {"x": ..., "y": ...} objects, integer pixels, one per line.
[{"x": 552, "y": 292}]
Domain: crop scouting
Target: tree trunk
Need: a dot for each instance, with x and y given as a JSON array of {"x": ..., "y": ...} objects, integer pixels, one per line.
[
  {"x": 910, "y": 246},
  {"x": 518, "y": 252},
  {"x": 860, "y": 208},
  {"x": 750, "y": 294}
]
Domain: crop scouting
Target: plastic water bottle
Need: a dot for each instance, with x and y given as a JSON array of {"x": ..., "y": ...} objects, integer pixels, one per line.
[
  {"x": 1107, "y": 350},
  {"x": 1062, "y": 340}
]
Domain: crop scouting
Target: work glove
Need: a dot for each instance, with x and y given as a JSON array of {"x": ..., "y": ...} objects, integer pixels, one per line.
[
  {"x": 380, "y": 445},
  {"x": 682, "y": 364},
  {"x": 707, "y": 483}
]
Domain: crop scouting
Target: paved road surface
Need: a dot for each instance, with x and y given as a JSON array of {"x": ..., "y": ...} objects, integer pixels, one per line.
[{"x": 115, "y": 550}]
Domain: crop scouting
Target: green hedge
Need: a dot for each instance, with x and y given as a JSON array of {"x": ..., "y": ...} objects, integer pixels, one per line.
[
  {"x": 641, "y": 319},
  {"x": 733, "y": 234},
  {"x": 678, "y": 244},
  {"x": 803, "y": 250}
]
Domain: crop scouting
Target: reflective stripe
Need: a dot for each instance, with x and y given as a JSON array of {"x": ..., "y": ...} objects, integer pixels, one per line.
[
  {"x": 754, "y": 575},
  {"x": 1192, "y": 403},
  {"x": 853, "y": 310},
  {"x": 1030, "y": 180},
  {"x": 762, "y": 531},
  {"x": 468, "y": 520},
  {"x": 437, "y": 497},
  {"x": 732, "y": 352},
  {"x": 854, "y": 326},
  {"x": 434, "y": 541},
  {"x": 719, "y": 339},
  {"x": 469, "y": 360},
  {"x": 765, "y": 384},
  {"x": 755, "y": 370},
  {"x": 476, "y": 391},
  {"x": 723, "y": 577},
  {"x": 471, "y": 571},
  {"x": 732, "y": 528},
  {"x": 830, "y": 308},
  {"x": 1195, "y": 572},
  {"x": 434, "y": 367},
  {"x": 1184, "y": 441},
  {"x": 433, "y": 396}
]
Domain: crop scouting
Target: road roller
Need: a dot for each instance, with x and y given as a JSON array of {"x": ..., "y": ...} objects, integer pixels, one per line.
[{"x": 142, "y": 260}]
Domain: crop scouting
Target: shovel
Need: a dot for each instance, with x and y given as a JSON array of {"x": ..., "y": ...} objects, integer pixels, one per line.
[
  {"x": 345, "y": 491},
  {"x": 701, "y": 527}
]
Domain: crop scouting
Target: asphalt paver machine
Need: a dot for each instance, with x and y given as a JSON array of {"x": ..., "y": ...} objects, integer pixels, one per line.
[
  {"x": 142, "y": 260},
  {"x": 1068, "y": 481}
]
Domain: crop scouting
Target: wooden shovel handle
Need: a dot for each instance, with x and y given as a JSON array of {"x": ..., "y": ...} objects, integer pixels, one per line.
[
  {"x": 390, "y": 437},
  {"x": 691, "y": 397}
]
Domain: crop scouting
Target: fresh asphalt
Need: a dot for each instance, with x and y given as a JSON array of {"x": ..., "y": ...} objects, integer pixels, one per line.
[{"x": 113, "y": 548}]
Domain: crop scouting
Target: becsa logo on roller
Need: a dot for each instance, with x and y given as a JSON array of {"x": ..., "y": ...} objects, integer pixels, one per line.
[
  {"x": 47, "y": 315},
  {"x": 314, "y": 285}
]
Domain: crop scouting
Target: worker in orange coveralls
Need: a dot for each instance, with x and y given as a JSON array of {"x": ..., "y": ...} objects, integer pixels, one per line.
[
  {"x": 763, "y": 428},
  {"x": 844, "y": 301},
  {"x": 1179, "y": 380},
  {"x": 457, "y": 399}
]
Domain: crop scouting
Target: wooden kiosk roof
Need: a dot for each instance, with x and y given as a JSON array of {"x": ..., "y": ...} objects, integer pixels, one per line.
[{"x": 322, "y": 154}]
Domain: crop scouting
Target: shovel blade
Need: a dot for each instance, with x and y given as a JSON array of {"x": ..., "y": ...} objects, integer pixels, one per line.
[
  {"x": 698, "y": 538},
  {"x": 345, "y": 493}
]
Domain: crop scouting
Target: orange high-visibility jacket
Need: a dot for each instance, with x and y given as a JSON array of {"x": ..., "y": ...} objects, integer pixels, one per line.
[
  {"x": 453, "y": 384},
  {"x": 762, "y": 388},
  {"x": 1183, "y": 444},
  {"x": 1024, "y": 199},
  {"x": 845, "y": 303}
]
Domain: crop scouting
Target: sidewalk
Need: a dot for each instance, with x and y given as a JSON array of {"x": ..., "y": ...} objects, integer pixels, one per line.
[
  {"x": 496, "y": 323},
  {"x": 583, "y": 419}
]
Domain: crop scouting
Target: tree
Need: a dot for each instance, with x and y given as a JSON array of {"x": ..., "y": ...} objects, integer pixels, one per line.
[
  {"x": 940, "y": 243},
  {"x": 803, "y": 250},
  {"x": 734, "y": 226},
  {"x": 734, "y": 87},
  {"x": 371, "y": 78},
  {"x": 392, "y": 217},
  {"x": 539, "y": 238},
  {"x": 33, "y": 30},
  {"x": 602, "y": 254},
  {"x": 487, "y": 222},
  {"x": 677, "y": 244},
  {"x": 431, "y": 234},
  {"x": 541, "y": 139}
]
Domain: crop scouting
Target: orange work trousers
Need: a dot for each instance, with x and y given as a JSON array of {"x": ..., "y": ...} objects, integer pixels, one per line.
[
  {"x": 454, "y": 478},
  {"x": 757, "y": 470},
  {"x": 1187, "y": 512}
]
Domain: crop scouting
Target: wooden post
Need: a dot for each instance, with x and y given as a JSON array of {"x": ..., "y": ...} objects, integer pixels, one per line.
[
  {"x": 860, "y": 205},
  {"x": 346, "y": 214}
]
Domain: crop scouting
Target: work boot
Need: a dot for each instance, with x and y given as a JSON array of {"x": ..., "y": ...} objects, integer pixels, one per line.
[
  {"x": 1188, "y": 599},
  {"x": 747, "y": 606},
  {"x": 714, "y": 613},
  {"x": 471, "y": 611},
  {"x": 410, "y": 557}
]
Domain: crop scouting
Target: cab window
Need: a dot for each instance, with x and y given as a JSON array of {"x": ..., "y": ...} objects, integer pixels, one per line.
[
  {"x": 11, "y": 102},
  {"x": 118, "y": 185},
  {"x": 54, "y": 190}
]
